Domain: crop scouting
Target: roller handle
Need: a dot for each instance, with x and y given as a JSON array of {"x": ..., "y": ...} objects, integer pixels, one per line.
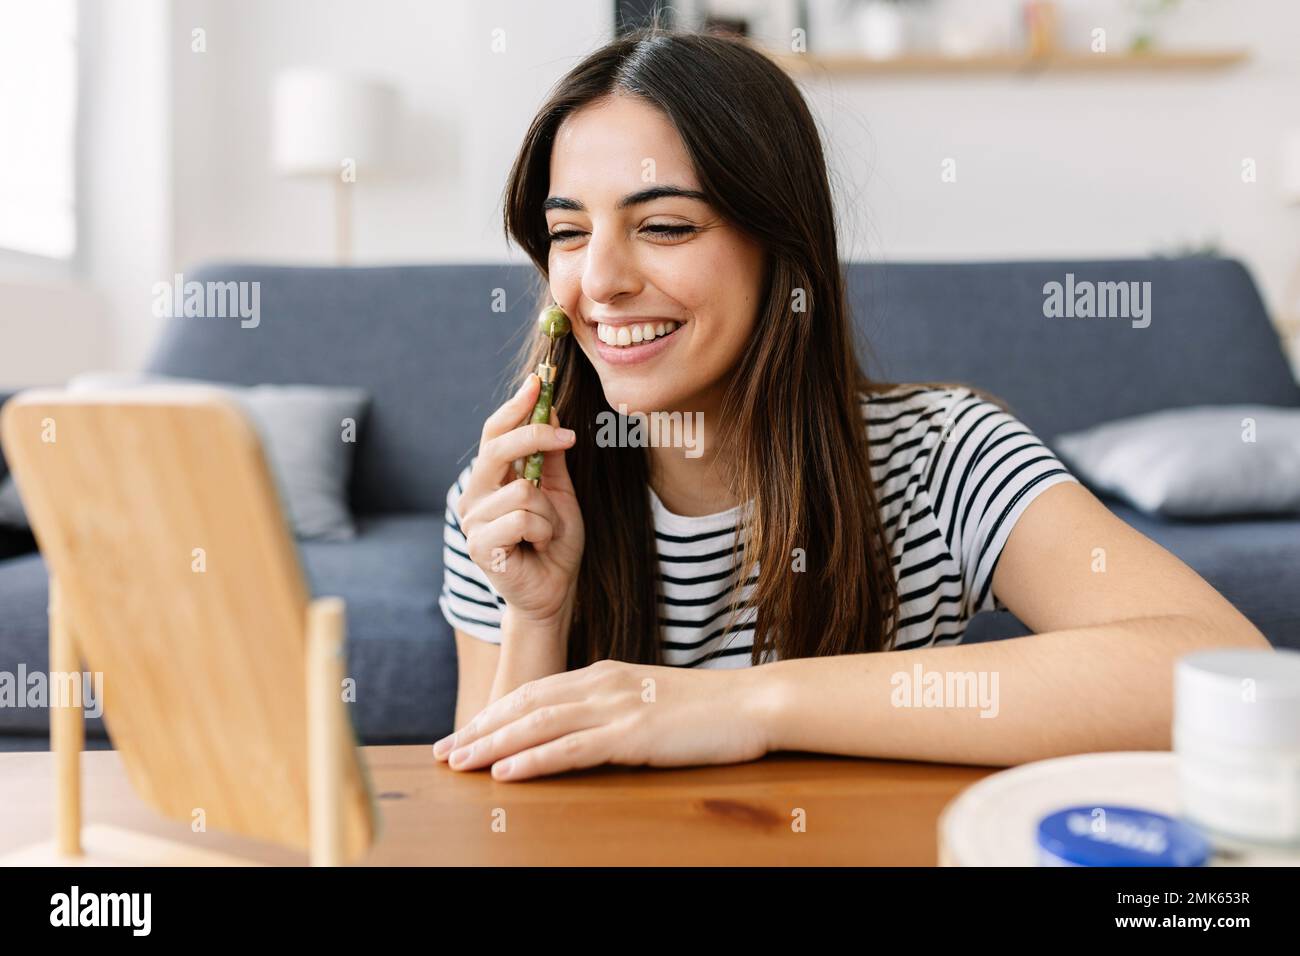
[
  {"x": 553, "y": 323},
  {"x": 541, "y": 416}
]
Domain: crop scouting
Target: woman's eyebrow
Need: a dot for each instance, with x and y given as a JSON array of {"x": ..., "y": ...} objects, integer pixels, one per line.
[{"x": 631, "y": 199}]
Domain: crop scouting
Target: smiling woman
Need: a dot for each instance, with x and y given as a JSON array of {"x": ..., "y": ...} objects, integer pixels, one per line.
[{"x": 673, "y": 193}]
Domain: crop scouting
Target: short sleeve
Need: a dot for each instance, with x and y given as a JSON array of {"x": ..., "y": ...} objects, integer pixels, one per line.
[
  {"x": 988, "y": 468},
  {"x": 468, "y": 601}
]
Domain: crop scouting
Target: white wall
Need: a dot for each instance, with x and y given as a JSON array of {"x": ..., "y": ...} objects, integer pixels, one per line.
[
  {"x": 127, "y": 171},
  {"x": 465, "y": 109},
  {"x": 1080, "y": 164},
  {"x": 56, "y": 320},
  {"x": 50, "y": 329}
]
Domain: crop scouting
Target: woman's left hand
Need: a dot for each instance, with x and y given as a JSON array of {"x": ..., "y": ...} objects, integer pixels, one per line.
[{"x": 614, "y": 712}]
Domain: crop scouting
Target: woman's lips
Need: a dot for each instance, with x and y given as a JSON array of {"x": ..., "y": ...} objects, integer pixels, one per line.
[{"x": 632, "y": 354}]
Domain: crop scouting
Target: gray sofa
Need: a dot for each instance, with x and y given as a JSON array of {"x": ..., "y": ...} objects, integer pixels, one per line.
[{"x": 427, "y": 344}]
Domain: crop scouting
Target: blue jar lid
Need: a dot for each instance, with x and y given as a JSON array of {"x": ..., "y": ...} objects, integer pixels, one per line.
[{"x": 1119, "y": 836}]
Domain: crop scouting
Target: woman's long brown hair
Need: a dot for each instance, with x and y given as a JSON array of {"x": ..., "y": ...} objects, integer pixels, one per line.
[{"x": 795, "y": 438}]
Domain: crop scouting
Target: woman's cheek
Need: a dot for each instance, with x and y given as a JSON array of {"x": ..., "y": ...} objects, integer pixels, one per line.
[{"x": 564, "y": 287}]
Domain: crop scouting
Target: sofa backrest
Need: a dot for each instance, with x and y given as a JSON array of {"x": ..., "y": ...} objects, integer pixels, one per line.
[
  {"x": 434, "y": 345},
  {"x": 1209, "y": 340}
]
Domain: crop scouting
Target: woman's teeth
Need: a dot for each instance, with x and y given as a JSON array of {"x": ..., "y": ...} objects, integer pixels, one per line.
[{"x": 621, "y": 336}]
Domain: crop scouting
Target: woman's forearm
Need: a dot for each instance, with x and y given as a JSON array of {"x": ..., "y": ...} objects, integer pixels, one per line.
[
  {"x": 1108, "y": 687},
  {"x": 530, "y": 649}
]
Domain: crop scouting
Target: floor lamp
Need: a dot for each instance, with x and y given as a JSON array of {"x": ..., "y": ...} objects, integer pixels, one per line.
[{"x": 335, "y": 127}]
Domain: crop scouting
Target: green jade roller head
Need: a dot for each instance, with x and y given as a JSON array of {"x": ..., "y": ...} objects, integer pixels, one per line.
[{"x": 554, "y": 324}]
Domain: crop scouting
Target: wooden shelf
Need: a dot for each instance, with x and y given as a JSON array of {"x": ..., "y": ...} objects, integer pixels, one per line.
[{"x": 850, "y": 63}]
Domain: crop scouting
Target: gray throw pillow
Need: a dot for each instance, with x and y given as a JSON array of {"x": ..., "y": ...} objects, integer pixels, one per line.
[
  {"x": 1201, "y": 462},
  {"x": 307, "y": 431}
]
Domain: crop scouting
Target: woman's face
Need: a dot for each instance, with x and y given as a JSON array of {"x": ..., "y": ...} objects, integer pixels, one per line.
[{"x": 623, "y": 258}]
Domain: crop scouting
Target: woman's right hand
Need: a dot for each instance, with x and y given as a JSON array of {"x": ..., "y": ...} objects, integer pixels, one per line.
[{"x": 499, "y": 511}]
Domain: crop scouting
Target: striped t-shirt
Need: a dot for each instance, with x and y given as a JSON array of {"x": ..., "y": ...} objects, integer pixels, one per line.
[{"x": 953, "y": 473}]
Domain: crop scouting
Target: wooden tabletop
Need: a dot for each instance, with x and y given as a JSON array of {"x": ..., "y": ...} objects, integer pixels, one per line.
[{"x": 783, "y": 810}]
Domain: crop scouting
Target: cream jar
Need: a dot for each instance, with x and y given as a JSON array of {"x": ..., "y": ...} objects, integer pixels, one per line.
[{"x": 1237, "y": 736}]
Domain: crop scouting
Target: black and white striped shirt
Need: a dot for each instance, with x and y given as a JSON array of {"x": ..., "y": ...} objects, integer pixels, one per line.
[{"x": 953, "y": 473}]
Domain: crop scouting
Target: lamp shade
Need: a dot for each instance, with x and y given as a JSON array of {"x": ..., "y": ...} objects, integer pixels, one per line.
[{"x": 320, "y": 119}]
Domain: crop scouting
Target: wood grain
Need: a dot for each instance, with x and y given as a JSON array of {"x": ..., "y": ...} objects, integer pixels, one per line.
[
  {"x": 858, "y": 812},
  {"x": 67, "y": 732}
]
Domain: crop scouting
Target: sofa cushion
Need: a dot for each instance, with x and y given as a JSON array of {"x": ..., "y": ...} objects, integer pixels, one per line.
[
  {"x": 1200, "y": 462},
  {"x": 401, "y": 653},
  {"x": 302, "y": 430},
  {"x": 24, "y": 638},
  {"x": 1253, "y": 562}
]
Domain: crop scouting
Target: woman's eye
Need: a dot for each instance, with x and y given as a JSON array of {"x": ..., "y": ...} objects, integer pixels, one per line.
[
  {"x": 670, "y": 231},
  {"x": 562, "y": 235}
]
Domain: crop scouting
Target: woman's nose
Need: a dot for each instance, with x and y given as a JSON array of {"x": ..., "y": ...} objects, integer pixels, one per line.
[{"x": 610, "y": 267}]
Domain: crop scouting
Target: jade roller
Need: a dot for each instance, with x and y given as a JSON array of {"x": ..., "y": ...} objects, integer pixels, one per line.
[{"x": 554, "y": 324}]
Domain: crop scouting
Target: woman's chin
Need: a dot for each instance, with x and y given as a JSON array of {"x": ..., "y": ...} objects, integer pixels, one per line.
[
  {"x": 659, "y": 393},
  {"x": 630, "y": 401}
]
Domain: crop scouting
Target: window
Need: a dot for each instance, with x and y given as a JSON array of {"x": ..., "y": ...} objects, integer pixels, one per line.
[{"x": 38, "y": 109}]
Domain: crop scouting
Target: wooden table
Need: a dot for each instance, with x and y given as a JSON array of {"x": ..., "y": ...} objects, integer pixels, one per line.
[{"x": 854, "y": 812}]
